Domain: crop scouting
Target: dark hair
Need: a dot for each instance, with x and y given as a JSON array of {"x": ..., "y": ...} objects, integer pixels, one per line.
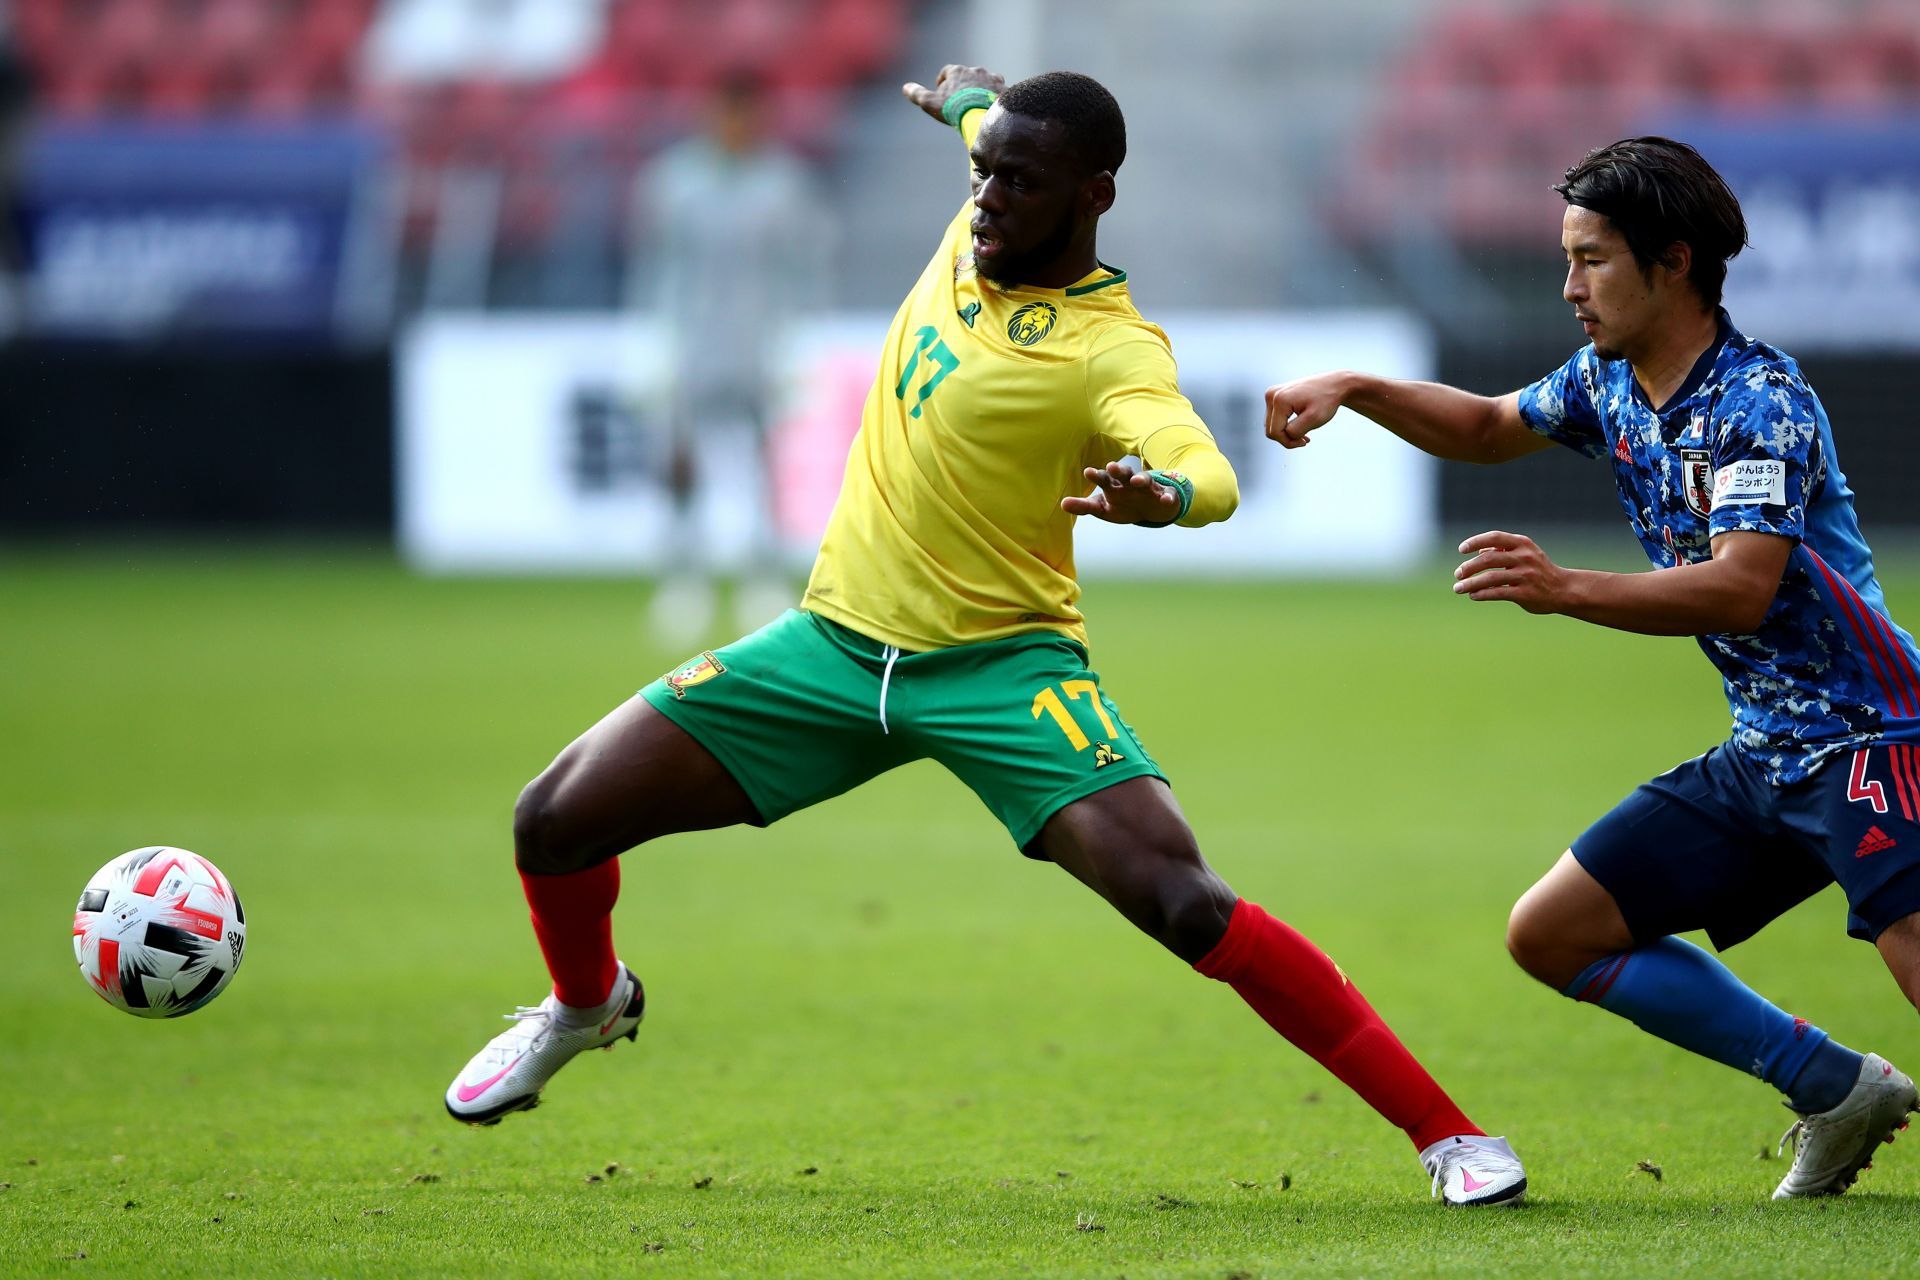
[
  {"x": 1657, "y": 191},
  {"x": 1080, "y": 103}
]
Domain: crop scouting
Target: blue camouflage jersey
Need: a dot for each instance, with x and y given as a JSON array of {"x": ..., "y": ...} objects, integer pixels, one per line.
[{"x": 1744, "y": 444}]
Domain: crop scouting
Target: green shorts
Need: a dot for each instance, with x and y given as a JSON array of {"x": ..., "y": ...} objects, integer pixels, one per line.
[{"x": 804, "y": 709}]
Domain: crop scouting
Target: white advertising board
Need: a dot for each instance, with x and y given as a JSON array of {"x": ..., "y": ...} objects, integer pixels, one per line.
[{"x": 534, "y": 444}]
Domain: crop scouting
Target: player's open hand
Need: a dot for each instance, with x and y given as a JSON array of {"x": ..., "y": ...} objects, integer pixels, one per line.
[
  {"x": 1295, "y": 408},
  {"x": 1122, "y": 495},
  {"x": 1510, "y": 566},
  {"x": 951, "y": 80}
]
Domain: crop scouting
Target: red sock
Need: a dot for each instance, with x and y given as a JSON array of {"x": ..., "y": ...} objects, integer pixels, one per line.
[
  {"x": 573, "y": 919},
  {"x": 1304, "y": 996}
]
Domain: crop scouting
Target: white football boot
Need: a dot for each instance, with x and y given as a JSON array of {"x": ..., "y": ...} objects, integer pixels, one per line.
[
  {"x": 1475, "y": 1170},
  {"x": 1830, "y": 1148},
  {"x": 509, "y": 1073}
]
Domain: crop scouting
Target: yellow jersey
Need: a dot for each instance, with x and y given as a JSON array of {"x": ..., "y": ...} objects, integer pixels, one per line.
[{"x": 989, "y": 404}]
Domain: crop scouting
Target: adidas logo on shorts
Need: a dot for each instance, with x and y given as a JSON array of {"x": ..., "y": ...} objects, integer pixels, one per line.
[{"x": 1873, "y": 842}]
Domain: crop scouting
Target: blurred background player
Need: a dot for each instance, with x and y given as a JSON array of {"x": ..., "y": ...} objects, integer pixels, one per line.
[
  {"x": 733, "y": 247},
  {"x": 941, "y": 622},
  {"x": 1725, "y": 465}
]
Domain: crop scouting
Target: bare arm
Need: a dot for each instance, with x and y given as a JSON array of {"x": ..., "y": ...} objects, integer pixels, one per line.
[
  {"x": 1728, "y": 594},
  {"x": 1441, "y": 420}
]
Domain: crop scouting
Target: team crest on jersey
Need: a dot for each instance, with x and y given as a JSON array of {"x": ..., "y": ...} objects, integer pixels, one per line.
[
  {"x": 699, "y": 671},
  {"x": 962, "y": 263},
  {"x": 1032, "y": 323},
  {"x": 1696, "y": 480}
]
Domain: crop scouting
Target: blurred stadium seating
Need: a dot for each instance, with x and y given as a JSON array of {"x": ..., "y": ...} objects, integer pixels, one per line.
[
  {"x": 479, "y": 120},
  {"x": 480, "y": 155},
  {"x": 1488, "y": 98},
  {"x": 159, "y": 57},
  {"x": 1448, "y": 115},
  {"x": 206, "y": 57}
]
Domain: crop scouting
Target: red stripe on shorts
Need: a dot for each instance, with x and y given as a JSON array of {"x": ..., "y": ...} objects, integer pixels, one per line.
[{"x": 1906, "y": 771}]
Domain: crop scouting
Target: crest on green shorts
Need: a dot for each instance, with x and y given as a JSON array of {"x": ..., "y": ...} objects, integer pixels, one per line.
[{"x": 699, "y": 671}]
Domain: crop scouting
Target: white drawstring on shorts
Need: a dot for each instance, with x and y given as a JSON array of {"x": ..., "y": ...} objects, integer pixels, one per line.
[{"x": 886, "y": 677}]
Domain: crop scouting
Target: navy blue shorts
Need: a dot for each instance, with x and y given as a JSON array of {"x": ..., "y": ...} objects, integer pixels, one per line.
[{"x": 1711, "y": 844}]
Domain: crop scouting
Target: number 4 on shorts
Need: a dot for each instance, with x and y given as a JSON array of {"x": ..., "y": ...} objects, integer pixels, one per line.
[{"x": 1858, "y": 788}]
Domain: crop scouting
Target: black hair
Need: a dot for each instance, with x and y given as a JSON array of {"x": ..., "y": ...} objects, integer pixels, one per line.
[
  {"x": 1082, "y": 105},
  {"x": 1658, "y": 191}
]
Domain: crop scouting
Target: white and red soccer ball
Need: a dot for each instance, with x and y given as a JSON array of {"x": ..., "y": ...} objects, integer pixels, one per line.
[{"x": 158, "y": 932}]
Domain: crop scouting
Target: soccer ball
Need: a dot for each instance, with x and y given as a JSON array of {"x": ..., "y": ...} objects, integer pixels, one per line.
[{"x": 158, "y": 932}]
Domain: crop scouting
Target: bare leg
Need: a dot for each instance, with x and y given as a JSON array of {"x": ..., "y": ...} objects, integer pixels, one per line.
[
  {"x": 1568, "y": 932},
  {"x": 1899, "y": 945},
  {"x": 1131, "y": 844},
  {"x": 1565, "y": 923},
  {"x": 633, "y": 777}
]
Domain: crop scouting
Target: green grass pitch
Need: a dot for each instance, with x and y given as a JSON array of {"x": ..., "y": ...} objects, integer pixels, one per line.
[{"x": 879, "y": 1042}]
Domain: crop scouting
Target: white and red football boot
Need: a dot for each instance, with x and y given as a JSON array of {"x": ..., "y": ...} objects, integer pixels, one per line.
[
  {"x": 1830, "y": 1148},
  {"x": 515, "y": 1066},
  {"x": 1471, "y": 1170}
]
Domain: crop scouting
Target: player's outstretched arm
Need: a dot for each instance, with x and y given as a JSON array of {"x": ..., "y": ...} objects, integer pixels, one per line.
[
  {"x": 948, "y": 85},
  {"x": 1202, "y": 491},
  {"x": 1122, "y": 495},
  {"x": 1727, "y": 595},
  {"x": 1437, "y": 419}
]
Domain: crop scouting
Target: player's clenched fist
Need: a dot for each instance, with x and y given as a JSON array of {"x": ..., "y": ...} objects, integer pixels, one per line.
[
  {"x": 951, "y": 80},
  {"x": 1295, "y": 408},
  {"x": 1509, "y": 566}
]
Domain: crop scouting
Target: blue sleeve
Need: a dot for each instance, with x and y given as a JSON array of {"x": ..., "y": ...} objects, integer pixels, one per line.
[
  {"x": 1767, "y": 456},
  {"x": 1560, "y": 406}
]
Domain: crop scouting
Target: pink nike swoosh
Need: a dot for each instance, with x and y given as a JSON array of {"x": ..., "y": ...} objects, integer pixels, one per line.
[
  {"x": 1467, "y": 1181},
  {"x": 619, "y": 1012},
  {"x": 468, "y": 1092}
]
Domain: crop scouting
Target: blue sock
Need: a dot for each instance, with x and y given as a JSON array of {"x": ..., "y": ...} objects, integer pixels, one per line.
[{"x": 1678, "y": 992}]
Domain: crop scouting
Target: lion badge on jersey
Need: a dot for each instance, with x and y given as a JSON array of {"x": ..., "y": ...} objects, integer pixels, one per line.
[
  {"x": 699, "y": 671},
  {"x": 1032, "y": 323}
]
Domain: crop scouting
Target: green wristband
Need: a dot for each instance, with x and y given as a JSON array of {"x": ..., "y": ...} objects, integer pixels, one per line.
[
  {"x": 1180, "y": 485},
  {"x": 966, "y": 100}
]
